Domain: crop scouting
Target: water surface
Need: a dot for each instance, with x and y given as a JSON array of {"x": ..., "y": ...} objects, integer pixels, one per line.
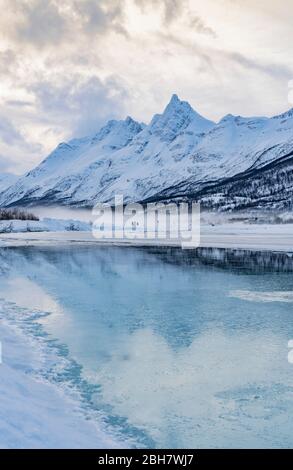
[{"x": 176, "y": 349}]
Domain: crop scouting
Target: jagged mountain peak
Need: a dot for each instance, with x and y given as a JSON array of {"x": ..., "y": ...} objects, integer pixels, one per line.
[
  {"x": 175, "y": 99},
  {"x": 179, "y": 107},
  {"x": 115, "y": 125},
  {"x": 176, "y": 104},
  {"x": 130, "y": 121},
  {"x": 177, "y": 117}
]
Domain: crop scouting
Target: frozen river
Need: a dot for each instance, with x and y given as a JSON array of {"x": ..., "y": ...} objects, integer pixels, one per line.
[{"x": 165, "y": 348}]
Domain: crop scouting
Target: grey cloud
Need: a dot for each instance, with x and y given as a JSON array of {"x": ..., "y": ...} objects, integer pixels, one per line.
[
  {"x": 15, "y": 150},
  {"x": 172, "y": 8},
  {"x": 202, "y": 54},
  {"x": 81, "y": 107},
  {"x": 275, "y": 70},
  {"x": 5, "y": 164},
  {"x": 19, "y": 103},
  {"x": 8, "y": 133},
  {"x": 210, "y": 56},
  {"x": 98, "y": 16},
  {"x": 40, "y": 22},
  {"x": 73, "y": 107},
  {"x": 7, "y": 61},
  {"x": 7, "y": 57},
  {"x": 199, "y": 26},
  {"x": 46, "y": 22},
  {"x": 8, "y": 166}
]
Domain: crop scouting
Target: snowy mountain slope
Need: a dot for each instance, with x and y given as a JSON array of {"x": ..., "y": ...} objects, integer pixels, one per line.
[
  {"x": 72, "y": 165},
  {"x": 179, "y": 152},
  {"x": 267, "y": 187},
  {"x": 270, "y": 187}
]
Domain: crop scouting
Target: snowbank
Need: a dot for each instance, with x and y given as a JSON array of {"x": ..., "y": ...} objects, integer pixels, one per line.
[
  {"x": 44, "y": 225},
  {"x": 236, "y": 236},
  {"x": 34, "y": 412}
]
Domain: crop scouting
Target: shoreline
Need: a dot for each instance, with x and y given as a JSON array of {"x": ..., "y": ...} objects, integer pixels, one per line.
[
  {"x": 26, "y": 357},
  {"x": 27, "y": 391},
  {"x": 262, "y": 237}
]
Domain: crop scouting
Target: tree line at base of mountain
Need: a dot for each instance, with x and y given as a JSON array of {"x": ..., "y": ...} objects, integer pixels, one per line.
[{"x": 16, "y": 214}]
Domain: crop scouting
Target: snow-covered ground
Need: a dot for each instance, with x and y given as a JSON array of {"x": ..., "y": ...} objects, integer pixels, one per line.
[
  {"x": 34, "y": 412},
  {"x": 43, "y": 225},
  {"x": 53, "y": 417},
  {"x": 237, "y": 235}
]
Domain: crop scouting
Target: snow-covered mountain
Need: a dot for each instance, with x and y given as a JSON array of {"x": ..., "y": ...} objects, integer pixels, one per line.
[{"x": 179, "y": 154}]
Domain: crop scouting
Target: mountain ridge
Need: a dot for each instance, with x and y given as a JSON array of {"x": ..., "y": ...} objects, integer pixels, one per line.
[{"x": 179, "y": 148}]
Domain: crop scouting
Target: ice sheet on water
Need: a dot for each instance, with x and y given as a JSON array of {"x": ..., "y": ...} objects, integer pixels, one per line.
[{"x": 254, "y": 296}]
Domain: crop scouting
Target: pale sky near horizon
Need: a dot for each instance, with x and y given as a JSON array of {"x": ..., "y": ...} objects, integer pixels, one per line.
[{"x": 67, "y": 67}]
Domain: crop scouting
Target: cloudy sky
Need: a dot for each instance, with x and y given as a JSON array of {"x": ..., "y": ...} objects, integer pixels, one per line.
[{"x": 68, "y": 66}]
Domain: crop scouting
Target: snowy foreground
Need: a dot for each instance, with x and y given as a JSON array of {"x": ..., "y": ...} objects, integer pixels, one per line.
[
  {"x": 34, "y": 412},
  {"x": 237, "y": 235}
]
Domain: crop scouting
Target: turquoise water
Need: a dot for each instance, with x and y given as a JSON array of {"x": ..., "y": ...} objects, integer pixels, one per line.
[{"x": 175, "y": 349}]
